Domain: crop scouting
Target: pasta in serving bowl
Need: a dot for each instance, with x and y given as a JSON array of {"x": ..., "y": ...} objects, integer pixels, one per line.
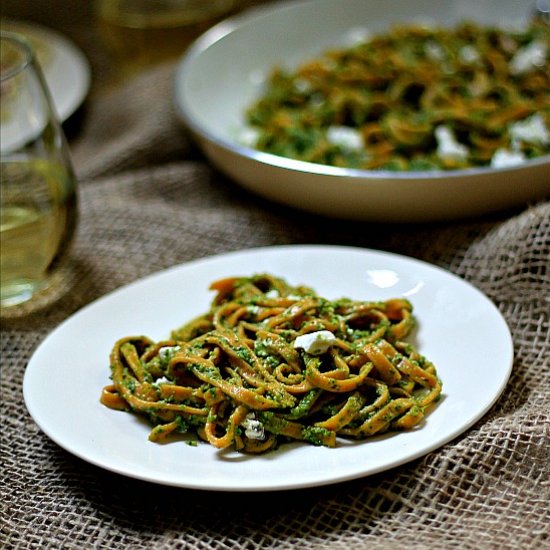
[
  {"x": 401, "y": 111},
  {"x": 413, "y": 98}
]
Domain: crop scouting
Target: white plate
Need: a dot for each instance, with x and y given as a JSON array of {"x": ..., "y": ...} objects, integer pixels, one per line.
[
  {"x": 222, "y": 73},
  {"x": 66, "y": 71},
  {"x": 460, "y": 330}
]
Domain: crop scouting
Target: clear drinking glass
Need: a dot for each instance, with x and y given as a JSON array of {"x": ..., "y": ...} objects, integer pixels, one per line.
[
  {"x": 38, "y": 202},
  {"x": 141, "y": 33}
]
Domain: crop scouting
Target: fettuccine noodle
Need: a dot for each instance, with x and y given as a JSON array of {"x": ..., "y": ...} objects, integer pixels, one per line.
[
  {"x": 270, "y": 363},
  {"x": 413, "y": 98}
]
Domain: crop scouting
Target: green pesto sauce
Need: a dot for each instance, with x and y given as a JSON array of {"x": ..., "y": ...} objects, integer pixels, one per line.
[{"x": 315, "y": 434}]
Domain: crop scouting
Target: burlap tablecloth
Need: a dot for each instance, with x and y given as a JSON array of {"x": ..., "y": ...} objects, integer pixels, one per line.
[{"x": 148, "y": 200}]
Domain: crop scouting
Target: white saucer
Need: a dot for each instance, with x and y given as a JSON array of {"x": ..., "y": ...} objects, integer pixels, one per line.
[{"x": 66, "y": 69}]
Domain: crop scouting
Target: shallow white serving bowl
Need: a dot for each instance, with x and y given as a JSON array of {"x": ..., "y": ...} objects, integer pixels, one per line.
[{"x": 224, "y": 70}]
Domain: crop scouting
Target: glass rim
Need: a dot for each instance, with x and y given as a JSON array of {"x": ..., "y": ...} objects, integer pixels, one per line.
[{"x": 27, "y": 49}]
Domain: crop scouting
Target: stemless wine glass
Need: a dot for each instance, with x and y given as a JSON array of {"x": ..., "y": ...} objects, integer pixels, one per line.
[
  {"x": 142, "y": 33},
  {"x": 38, "y": 202}
]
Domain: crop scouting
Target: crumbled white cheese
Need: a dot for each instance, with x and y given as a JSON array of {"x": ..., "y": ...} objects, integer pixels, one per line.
[
  {"x": 468, "y": 54},
  {"x": 504, "y": 157},
  {"x": 434, "y": 51},
  {"x": 447, "y": 145},
  {"x": 273, "y": 293},
  {"x": 253, "y": 428},
  {"x": 248, "y": 137},
  {"x": 358, "y": 35},
  {"x": 531, "y": 130},
  {"x": 162, "y": 380},
  {"x": 528, "y": 58},
  {"x": 168, "y": 351},
  {"x": 302, "y": 85},
  {"x": 315, "y": 343},
  {"x": 345, "y": 137}
]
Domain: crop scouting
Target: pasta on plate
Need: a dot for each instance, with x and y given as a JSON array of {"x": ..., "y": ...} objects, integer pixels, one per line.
[
  {"x": 270, "y": 362},
  {"x": 413, "y": 98}
]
